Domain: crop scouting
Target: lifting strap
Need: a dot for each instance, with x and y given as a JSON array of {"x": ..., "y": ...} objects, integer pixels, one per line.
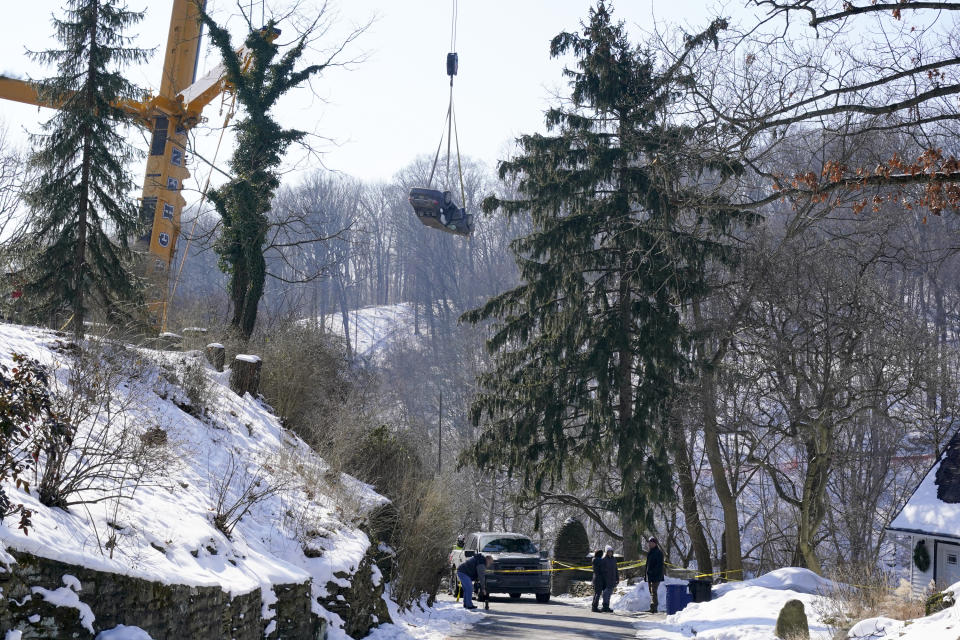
[
  {"x": 203, "y": 197},
  {"x": 450, "y": 123}
]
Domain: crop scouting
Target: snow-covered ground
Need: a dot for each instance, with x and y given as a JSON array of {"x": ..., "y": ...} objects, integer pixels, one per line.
[
  {"x": 164, "y": 530},
  {"x": 373, "y": 330},
  {"x": 748, "y": 610},
  {"x": 445, "y": 618}
]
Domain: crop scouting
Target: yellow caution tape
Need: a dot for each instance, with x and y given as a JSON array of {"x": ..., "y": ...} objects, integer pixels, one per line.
[
  {"x": 566, "y": 567},
  {"x": 717, "y": 573}
]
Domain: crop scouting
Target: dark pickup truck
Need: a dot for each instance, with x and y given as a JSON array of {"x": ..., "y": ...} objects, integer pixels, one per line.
[{"x": 517, "y": 568}]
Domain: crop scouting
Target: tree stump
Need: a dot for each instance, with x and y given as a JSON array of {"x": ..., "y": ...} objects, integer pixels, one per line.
[
  {"x": 216, "y": 355},
  {"x": 792, "y": 622},
  {"x": 245, "y": 374}
]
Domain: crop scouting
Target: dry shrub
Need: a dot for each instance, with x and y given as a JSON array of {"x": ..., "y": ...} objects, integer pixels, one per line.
[
  {"x": 309, "y": 382},
  {"x": 426, "y": 525},
  {"x": 102, "y": 456},
  {"x": 865, "y": 592},
  {"x": 420, "y": 523},
  {"x": 191, "y": 376},
  {"x": 238, "y": 487}
]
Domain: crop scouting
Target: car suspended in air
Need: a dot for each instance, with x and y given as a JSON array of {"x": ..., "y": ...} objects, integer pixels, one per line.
[{"x": 436, "y": 207}]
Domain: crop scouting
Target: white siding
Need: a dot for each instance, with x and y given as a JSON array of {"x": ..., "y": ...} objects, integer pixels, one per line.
[{"x": 920, "y": 580}]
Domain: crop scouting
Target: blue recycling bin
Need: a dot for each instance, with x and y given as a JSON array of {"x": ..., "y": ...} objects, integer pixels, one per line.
[{"x": 677, "y": 597}]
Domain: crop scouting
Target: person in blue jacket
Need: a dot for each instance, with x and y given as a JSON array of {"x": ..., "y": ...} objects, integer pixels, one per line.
[{"x": 470, "y": 571}]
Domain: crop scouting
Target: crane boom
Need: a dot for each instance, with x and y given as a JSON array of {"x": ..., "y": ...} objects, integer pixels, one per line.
[{"x": 19, "y": 91}]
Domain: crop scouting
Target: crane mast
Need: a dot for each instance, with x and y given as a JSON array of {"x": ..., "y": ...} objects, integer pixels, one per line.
[
  {"x": 162, "y": 202},
  {"x": 168, "y": 116}
]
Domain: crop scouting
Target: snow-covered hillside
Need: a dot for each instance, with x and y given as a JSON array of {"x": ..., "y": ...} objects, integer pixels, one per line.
[
  {"x": 373, "y": 330},
  {"x": 161, "y": 527}
]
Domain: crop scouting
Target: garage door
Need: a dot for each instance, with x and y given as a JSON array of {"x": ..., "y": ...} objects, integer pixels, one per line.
[{"x": 948, "y": 564}]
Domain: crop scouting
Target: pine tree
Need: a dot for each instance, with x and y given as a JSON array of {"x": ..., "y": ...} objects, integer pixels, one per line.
[
  {"x": 589, "y": 349},
  {"x": 244, "y": 201},
  {"x": 81, "y": 213}
]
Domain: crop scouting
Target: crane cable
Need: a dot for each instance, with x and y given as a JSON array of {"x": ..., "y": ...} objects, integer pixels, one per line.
[
  {"x": 450, "y": 122},
  {"x": 203, "y": 197}
]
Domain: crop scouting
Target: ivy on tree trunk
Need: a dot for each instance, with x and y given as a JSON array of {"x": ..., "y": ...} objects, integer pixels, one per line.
[{"x": 244, "y": 201}]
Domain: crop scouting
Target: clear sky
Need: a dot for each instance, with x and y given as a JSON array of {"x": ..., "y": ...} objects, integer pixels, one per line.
[{"x": 385, "y": 110}]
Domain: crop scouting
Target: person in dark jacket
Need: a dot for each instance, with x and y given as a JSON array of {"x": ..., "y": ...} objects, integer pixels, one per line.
[
  {"x": 654, "y": 571},
  {"x": 608, "y": 569},
  {"x": 470, "y": 571},
  {"x": 597, "y": 579}
]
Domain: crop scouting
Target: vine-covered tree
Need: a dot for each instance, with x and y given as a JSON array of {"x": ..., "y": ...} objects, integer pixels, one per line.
[
  {"x": 81, "y": 212},
  {"x": 244, "y": 201},
  {"x": 589, "y": 348}
]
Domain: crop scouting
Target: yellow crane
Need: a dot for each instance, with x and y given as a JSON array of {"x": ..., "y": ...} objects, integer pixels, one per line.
[{"x": 167, "y": 116}]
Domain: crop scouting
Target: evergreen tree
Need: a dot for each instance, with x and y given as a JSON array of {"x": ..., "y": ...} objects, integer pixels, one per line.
[
  {"x": 81, "y": 213},
  {"x": 589, "y": 349},
  {"x": 244, "y": 201}
]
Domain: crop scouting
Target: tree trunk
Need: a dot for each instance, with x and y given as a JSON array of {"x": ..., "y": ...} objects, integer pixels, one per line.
[
  {"x": 251, "y": 299},
  {"x": 688, "y": 497},
  {"x": 813, "y": 505},
  {"x": 80, "y": 251},
  {"x": 493, "y": 500},
  {"x": 239, "y": 281},
  {"x": 628, "y": 510},
  {"x": 711, "y": 444}
]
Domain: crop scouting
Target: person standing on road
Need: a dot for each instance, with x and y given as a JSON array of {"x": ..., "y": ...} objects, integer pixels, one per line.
[
  {"x": 597, "y": 579},
  {"x": 654, "y": 571},
  {"x": 608, "y": 569},
  {"x": 470, "y": 571}
]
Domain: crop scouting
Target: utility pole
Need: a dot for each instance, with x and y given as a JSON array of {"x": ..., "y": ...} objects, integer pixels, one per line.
[{"x": 440, "y": 433}]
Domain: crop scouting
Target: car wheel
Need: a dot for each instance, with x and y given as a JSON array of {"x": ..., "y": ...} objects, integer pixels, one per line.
[
  {"x": 543, "y": 597},
  {"x": 515, "y": 596}
]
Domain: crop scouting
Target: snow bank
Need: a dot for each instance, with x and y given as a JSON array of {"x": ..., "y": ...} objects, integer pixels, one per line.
[
  {"x": 749, "y": 613},
  {"x": 165, "y": 531},
  {"x": 787, "y": 578},
  {"x": 745, "y": 610}
]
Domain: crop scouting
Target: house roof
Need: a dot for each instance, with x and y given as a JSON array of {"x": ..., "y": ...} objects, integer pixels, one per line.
[
  {"x": 948, "y": 473},
  {"x": 934, "y": 508}
]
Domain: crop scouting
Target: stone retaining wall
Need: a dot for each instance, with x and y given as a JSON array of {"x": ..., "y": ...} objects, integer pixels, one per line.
[{"x": 164, "y": 611}]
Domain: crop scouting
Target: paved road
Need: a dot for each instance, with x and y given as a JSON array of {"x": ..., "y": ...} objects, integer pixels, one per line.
[{"x": 526, "y": 619}]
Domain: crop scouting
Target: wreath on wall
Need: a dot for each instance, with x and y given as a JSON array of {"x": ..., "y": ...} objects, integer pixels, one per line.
[{"x": 921, "y": 557}]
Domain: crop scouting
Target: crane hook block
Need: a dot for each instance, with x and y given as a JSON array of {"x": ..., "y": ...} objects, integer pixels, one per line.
[{"x": 452, "y": 64}]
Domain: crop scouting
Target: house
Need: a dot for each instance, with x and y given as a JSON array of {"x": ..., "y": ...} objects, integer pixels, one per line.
[{"x": 932, "y": 518}]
